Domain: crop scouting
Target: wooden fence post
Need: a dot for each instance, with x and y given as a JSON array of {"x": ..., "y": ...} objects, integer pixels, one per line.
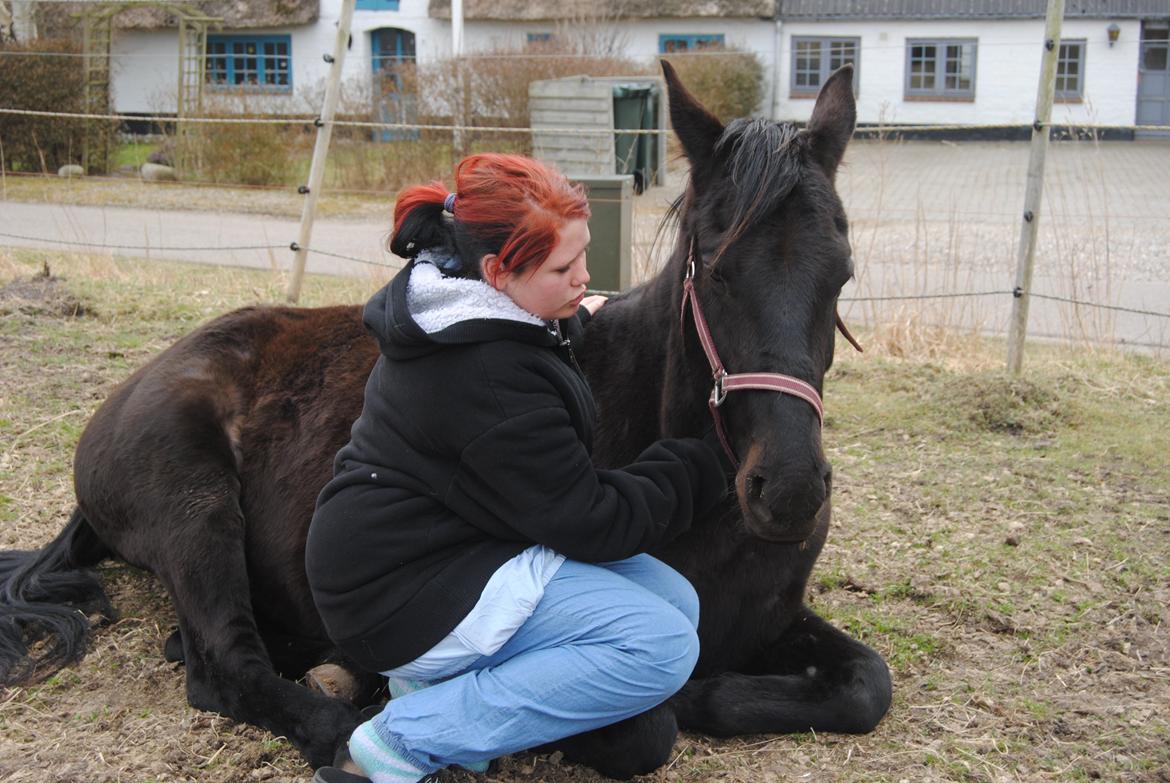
[
  {"x": 1029, "y": 229},
  {"x": 320, "y": 149}
]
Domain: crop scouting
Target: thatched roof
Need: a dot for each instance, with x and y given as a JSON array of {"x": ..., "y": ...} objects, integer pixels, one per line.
[
  {"x": 603, "y": 10},
  {"x": 236, "y": 14}
]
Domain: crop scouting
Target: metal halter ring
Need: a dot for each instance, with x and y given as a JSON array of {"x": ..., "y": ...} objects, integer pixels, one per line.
[{"x": 718, "y": 393}]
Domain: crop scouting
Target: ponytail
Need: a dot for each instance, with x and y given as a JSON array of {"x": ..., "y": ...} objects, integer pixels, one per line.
[
  {"x": 418, "y": 220},
  {"x": 507, "y": 205}
]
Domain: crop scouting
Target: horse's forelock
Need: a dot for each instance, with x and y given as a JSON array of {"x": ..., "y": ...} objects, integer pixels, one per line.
[{"x": 764, "y": 161}]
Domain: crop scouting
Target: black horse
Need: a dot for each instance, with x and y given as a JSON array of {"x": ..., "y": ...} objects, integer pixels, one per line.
[{"x": 204, "y": 465}]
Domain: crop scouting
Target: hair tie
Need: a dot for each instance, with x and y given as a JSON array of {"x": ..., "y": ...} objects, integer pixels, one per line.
[{"x": 449, "y": 203}]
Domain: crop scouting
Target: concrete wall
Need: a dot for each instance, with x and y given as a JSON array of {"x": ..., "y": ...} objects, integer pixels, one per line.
[{"x": 1006, "y": 71}]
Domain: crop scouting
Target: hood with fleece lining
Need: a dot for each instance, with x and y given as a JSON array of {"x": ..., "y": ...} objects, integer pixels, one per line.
[{"x": 421, "y": 311}]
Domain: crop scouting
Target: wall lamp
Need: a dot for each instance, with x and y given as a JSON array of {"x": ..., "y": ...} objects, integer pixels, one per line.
[{"x": 1114, "y": 32}]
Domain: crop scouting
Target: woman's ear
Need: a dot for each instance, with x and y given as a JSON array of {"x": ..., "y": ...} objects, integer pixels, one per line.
[{"x": 489, "y": 270}]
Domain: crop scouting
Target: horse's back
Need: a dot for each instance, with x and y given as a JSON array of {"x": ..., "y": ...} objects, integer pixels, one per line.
[{"x": 208, "y": 422}]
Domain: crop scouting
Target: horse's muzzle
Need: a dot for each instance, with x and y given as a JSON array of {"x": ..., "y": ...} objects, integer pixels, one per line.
[{"x": 782, "y": 505}]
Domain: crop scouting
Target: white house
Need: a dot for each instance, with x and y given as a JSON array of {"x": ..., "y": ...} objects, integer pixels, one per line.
[
  {"x": 918, "y": 62},
  {"x": 275, "y": 49},
  {"x": 977, "y": 63}
]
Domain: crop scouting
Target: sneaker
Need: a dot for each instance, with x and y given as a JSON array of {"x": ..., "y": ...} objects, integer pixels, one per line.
[
  {"x": 337, "y": 775},
  {"x": 342, "y": 759}
]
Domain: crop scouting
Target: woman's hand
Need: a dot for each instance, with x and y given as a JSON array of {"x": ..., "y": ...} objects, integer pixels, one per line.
[{"x": 593, "y": 303}]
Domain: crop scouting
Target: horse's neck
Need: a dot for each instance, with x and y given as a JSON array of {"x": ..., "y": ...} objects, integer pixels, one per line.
[{"x": 631, "y": 357}]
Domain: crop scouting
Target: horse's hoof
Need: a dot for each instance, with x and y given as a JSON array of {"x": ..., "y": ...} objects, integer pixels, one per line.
[
  {"x": 335, "y": 681},
  {"x": 173, "y": 648}
]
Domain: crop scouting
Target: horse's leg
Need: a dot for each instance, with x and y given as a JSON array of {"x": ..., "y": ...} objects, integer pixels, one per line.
[
  {"x": 228, "y": 668},
  {"x": 635, "y": 746},
  {"x": 814, "y": 677},
  {"x": 329, "y": 673}
]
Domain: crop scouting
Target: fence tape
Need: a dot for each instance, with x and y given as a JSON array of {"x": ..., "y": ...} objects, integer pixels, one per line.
[
  {"x": 137, "y": 247},
  {"x": 305, "y": 120},
  {"x": 388, "y": 265}
]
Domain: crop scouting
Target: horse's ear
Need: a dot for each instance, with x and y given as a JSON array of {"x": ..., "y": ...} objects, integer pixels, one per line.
[
  {"x": 697, "y": 128},
  {"x": 833, "y": 119}
]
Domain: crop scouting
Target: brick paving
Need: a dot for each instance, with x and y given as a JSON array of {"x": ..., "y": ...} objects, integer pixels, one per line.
[{"x": 931, "y": 218}]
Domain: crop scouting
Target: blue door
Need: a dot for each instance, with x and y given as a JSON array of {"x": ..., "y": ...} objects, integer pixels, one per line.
[
  {"x": 1154, "y": 78},
  {"x": 392, "y": 57}
]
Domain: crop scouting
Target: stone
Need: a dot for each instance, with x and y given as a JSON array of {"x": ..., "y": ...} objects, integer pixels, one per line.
[
  {"x": 164, "y": 154},
  {"x": 155, "y": 172},
  {"x": 70, "y": 170}
]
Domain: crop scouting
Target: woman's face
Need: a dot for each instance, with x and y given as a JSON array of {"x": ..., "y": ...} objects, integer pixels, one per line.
[{"x": 556, "y": 289}]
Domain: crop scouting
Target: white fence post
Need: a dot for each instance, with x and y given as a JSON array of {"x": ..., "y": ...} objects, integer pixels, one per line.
[
  {"x": 1029, "y": 230},
  {"x": 320, "y": 150}
]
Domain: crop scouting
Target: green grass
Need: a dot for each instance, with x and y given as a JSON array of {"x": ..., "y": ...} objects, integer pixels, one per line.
[{"x": 132, "y": 154}]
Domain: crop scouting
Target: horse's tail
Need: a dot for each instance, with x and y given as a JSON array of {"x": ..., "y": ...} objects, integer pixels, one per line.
[{"x": 46, "y": 598}]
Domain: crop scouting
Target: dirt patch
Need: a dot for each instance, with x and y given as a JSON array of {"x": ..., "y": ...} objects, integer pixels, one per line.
[
  {"x": 42, "y": 294},
  {"x": 1018, "y": 406}
]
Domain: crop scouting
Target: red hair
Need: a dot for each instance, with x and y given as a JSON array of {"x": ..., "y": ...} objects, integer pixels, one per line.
[{"x": 508, "y": 205}]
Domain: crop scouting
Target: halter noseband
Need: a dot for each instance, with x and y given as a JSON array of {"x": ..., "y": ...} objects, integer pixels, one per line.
[{"x": 725, "y": 382}]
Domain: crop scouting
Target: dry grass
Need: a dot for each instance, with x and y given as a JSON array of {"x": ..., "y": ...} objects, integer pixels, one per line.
[
  {"x": 1004, "y": 544},
  {"x": 207, "y": 197}
]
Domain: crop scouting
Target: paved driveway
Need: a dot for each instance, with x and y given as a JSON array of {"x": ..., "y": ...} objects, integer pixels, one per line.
[
  {"x": 928, "y": 218},
  {"x": 939, "y": 217},
  {"x": 258, "y": 241}
]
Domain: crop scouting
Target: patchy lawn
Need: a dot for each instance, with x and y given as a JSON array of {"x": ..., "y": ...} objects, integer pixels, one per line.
[{"x": 1004, "y": 543}]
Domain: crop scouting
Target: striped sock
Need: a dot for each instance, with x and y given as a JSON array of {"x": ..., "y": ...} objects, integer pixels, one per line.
[
  {"x": 399, "y": 686},
  {"x": 379, "y": 762}
]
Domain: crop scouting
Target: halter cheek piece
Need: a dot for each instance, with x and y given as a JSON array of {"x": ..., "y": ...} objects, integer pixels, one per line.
[{"x": 725, "y": 383}]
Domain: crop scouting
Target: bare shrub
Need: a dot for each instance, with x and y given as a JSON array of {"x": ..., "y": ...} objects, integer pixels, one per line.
[
  {"x": 490, "y": 88},
  {"x": 390, "y": 166},
  {"x": 727, "y": 80},
  {"x": 243, "y": 153}
]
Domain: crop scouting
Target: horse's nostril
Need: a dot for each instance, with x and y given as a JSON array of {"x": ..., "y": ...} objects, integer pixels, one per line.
[{"x": 755, "y": 487}]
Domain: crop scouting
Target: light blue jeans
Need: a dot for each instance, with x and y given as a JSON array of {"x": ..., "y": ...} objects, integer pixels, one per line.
[{"x": 606, "y": 642}]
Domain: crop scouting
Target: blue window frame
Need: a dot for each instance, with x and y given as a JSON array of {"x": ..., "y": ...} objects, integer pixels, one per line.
[
  {"x": 261, "y": 63},
  {"x": 671, "y": 42},
  {"x": 539, "y": 38},
  {"x": 376, "y": 5}
]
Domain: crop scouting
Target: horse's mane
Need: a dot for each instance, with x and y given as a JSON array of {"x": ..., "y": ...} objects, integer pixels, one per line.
[{"x": 764, "y": 161}]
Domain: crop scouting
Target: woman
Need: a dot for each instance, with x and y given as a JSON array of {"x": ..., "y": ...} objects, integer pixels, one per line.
[{"x": 466, "y": 547}]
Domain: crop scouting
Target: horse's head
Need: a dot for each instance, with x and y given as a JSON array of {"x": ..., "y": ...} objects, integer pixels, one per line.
[{"x": 771, "y": 253}]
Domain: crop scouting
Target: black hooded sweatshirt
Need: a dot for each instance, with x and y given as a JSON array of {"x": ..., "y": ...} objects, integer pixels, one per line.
[{"x": 474, "y": 444}]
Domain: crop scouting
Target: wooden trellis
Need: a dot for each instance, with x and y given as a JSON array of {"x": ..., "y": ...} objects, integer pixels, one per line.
[{"x": 97, "y": 45}]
